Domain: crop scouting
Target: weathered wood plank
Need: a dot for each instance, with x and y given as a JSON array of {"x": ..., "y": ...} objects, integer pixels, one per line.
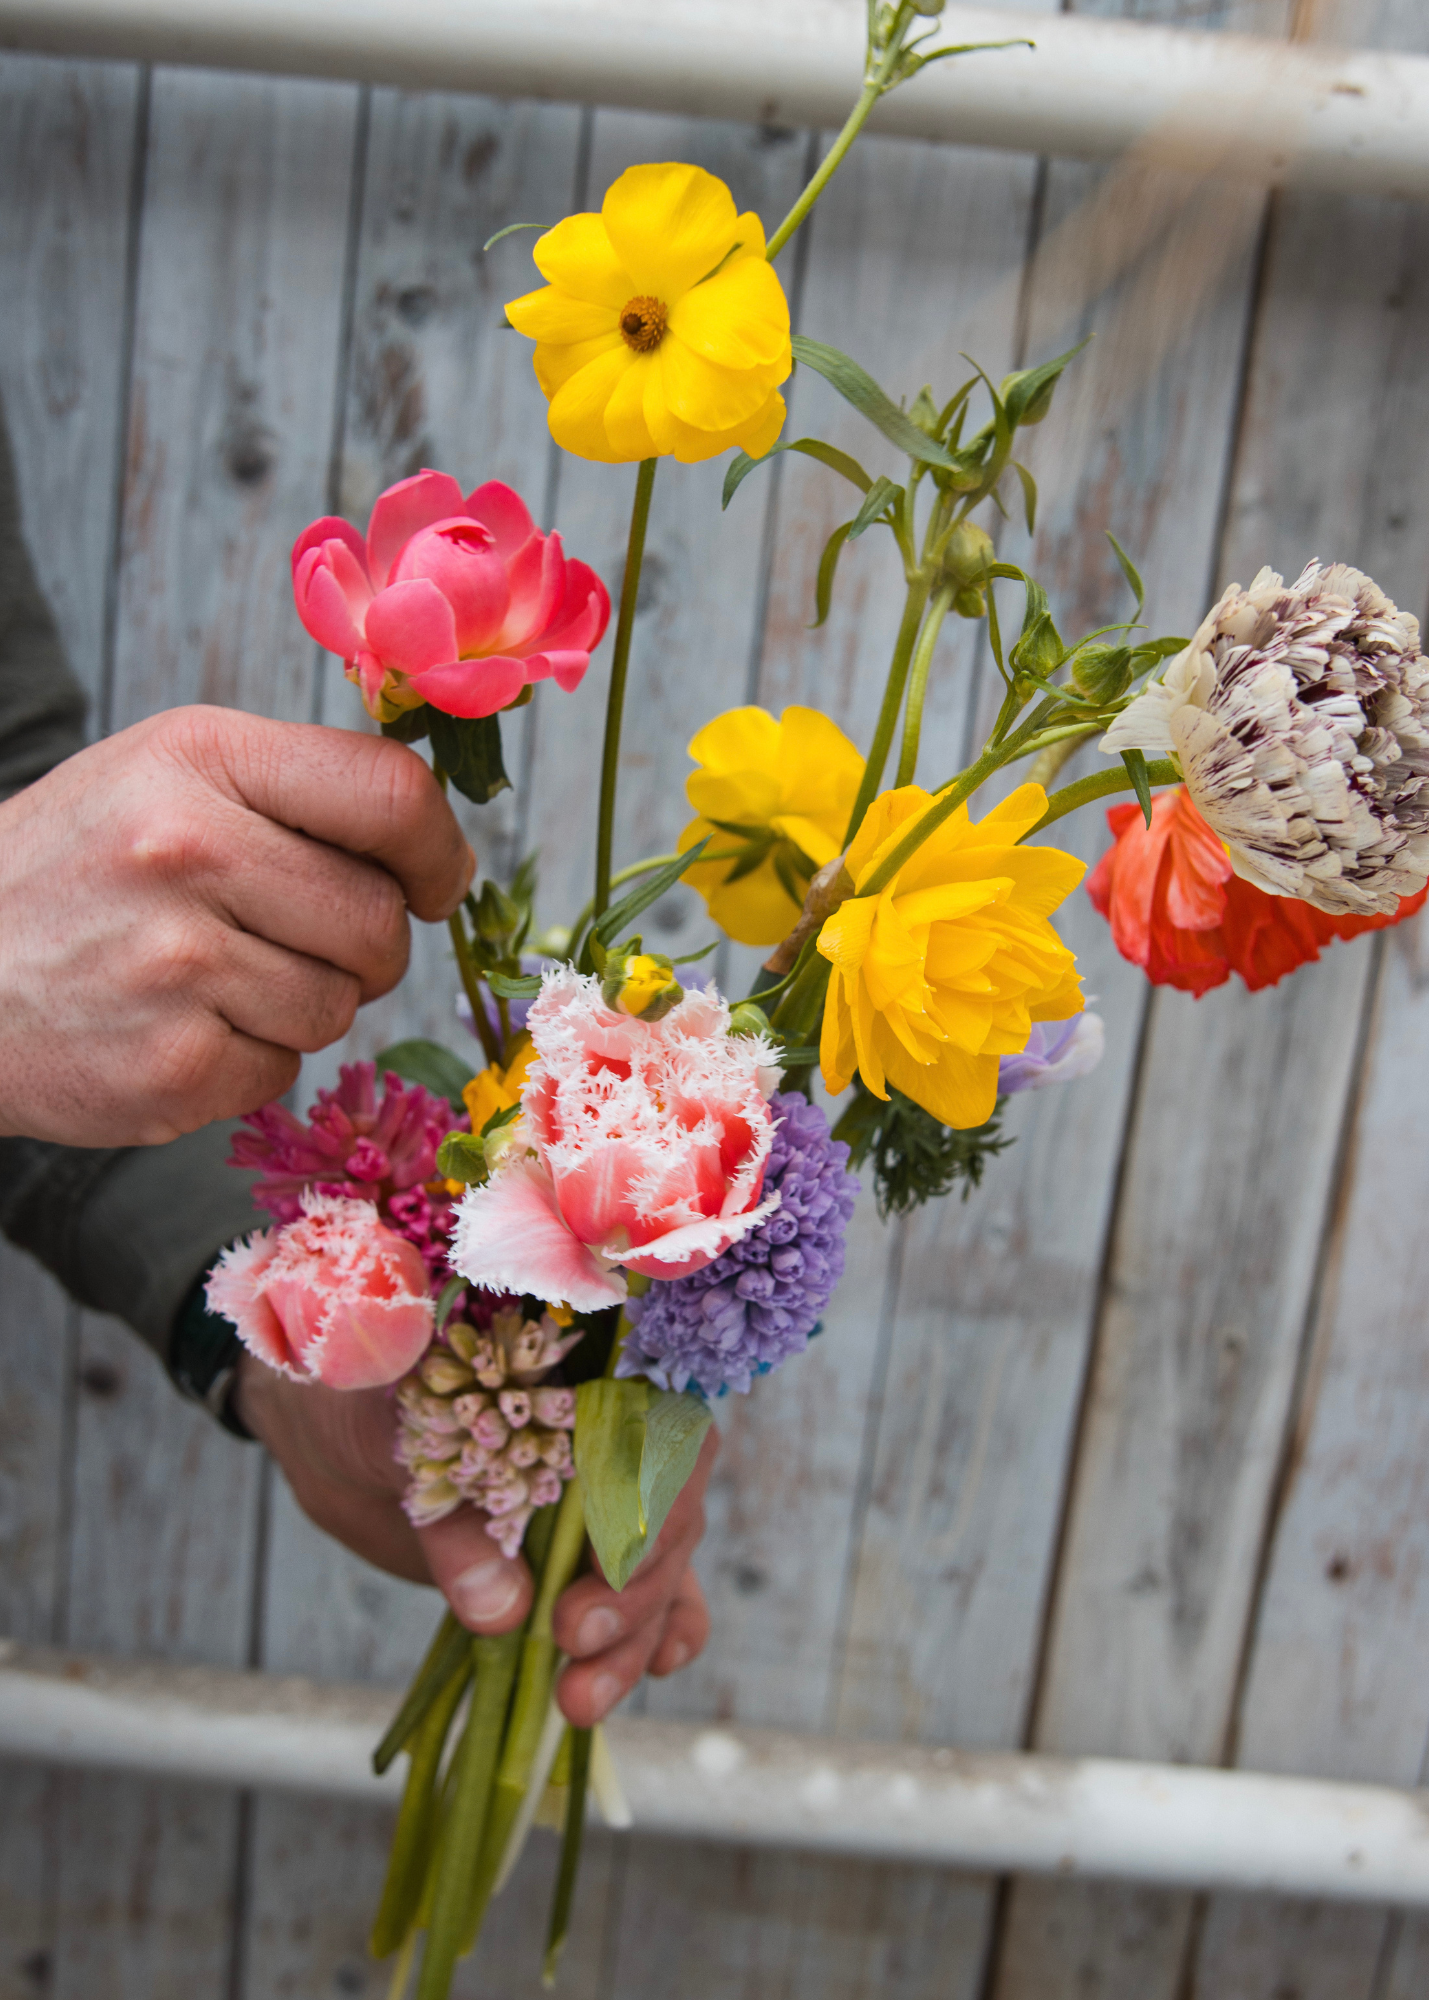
[
  {"x": 235, "y": 359},
  {"x": 67, "y": 134}
]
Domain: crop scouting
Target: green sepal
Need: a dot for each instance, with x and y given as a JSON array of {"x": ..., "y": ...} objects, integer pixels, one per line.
[
  {"x": 510, "y": 230},
  {"x": 462, "y": 1157},
  {"x": 878, "y": 498},
  {"x": 468, "y": 748},
  {"x": 410, "y": 726},
  {"x": 1135, "y": 762},
  {"x": 514, "y": 986},
  {"x": 826, "y": 454},
  {"x": 635, "y": 1446},
  {"x": 1129, "y": 571},
  {"x": 428, "y": 1063},
  {"x": 1029, "y": 493},
  {"x": 858, "y": 387},
  {"x": 828, "y": 568}
]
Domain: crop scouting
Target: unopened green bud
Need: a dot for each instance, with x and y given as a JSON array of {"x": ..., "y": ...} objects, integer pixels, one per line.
[
  {"x": 933, "y": 7},
  {"x": 748, "y": 1019},
  {"x": 496, "y": 915},
  {"x": 640, "y": 983},
  {"x": 1103, "y": 672},
  {"x": 968, "y": 553},
  {"x": 924, "y": 411},
  {"x": 462, "y": 1157},
  {"x": 970, "y": 602}
]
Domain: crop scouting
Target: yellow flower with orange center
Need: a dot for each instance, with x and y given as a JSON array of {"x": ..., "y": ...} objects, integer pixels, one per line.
[
  {"x": 947, "y": 967},
  {"x": 662, "y": 331}
]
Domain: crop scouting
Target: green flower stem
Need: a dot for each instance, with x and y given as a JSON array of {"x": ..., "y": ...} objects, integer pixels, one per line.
[
  {"x": 470, "y": 984},
  {"x": 918, "y": 683},
  {"x": 892, "y": 702},
  {"x": 473, "y": 1775},
  {"x": 853, "y": 125},
  {"x": 446, "y": 1656},
  {"x": 1101, "y": 785},
  {"x": 801, "y": 1009},
  {"x": 412, "y": 1842},
  {"x": 945, "y": 805},
  {"x": 570, "y": 1854},
  {"x": 619, "y": 668},
  {"x": 533, "y": 1693}
]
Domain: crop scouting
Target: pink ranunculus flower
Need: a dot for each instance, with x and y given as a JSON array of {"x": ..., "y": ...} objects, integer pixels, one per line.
[
  {"x": 458, "y": 602},
  {"x": 334, "y": 1297},
  {"x": 640, "y": 1144}
]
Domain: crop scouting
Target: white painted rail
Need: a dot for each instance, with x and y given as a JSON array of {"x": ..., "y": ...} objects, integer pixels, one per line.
[
  {"x": 1091, "y": 1816},
  {"x": 1229, "y": 104}
]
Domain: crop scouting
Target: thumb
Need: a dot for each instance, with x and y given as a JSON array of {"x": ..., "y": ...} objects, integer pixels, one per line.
[{"x": 489, "y": 1592}]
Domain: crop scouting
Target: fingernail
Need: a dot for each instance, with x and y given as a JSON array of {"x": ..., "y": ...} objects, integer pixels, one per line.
[
  {"x": 486, "y": 1591},
  {"x": 598, "y": 1629},
  {"x": 605, "y": 1691}
]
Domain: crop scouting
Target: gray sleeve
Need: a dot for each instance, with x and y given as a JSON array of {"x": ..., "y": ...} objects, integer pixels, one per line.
[
  {"x": 42, "y": 705},
  {"x": 126, "y": 1231}
]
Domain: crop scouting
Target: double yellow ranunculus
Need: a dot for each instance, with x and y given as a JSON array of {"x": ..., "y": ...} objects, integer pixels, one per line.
[
  {"x": 946, "y": 968},
  {"x": 777, "y": 796},
  {"x": 662, "y": 330}
]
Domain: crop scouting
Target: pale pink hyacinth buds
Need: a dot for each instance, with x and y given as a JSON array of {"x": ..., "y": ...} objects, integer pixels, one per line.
[
  {"x": 335, "y": 1297},
  {"x": 505, "y": 1446},
  {"x": 460, "y": 602},
  {"x": 642, "y": 1143}
]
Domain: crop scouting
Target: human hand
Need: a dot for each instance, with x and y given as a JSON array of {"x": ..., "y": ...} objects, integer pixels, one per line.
[
  {"x": 187, "y": 905},
  {"x": 335, "y": 1448}
]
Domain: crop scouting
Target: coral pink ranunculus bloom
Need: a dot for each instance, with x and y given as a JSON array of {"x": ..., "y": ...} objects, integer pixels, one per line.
[
  {"x": 641, "y": 1144},
  {"x": 334, "y": 1297},
  {"x": 458, "y": 602}
]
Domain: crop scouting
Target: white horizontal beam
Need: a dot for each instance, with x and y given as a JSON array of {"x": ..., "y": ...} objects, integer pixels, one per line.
[
  {"x": 1091, "y": 1816},
  {"x": 1228, "y": 104}
]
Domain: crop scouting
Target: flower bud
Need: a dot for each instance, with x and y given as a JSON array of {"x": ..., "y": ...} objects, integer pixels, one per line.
[
  {"x": 497, "y": 916},
  {"x": 748, "y": 1018},
  {"x": 970, "y": 602},
  {"x": 640, "y": 983},
  {"x": 462, "y": 1157},
  {"x": 515, "y": 1406},
  {"x": 461, "y": 1338},
  {"x": 444, "y": 1373},
  {"x": 968, "y": 553},
  {"x": 1103, "y": 672}
]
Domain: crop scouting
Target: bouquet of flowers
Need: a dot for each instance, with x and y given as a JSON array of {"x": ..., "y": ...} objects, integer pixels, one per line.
[{"x": 631, "y": 1205}]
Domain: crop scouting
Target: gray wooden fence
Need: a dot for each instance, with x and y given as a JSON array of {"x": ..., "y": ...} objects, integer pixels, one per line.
[{"x": 1130, "y": 1453}]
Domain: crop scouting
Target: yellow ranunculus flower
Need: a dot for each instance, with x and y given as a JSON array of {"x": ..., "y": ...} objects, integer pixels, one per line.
[
  {"x": 662, "y": 330},
  {"x": 497, "y": 1089},
  {"x": 947, "y": 968},
  {"x": 781, "y": 792}
]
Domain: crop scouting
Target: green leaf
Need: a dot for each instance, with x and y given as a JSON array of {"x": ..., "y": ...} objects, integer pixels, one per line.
[
  {"x": 1029, "y": 493},
  {"x": 462, "y": 1157},
  {"x": 858, "y": 387},
  {"x": 609, "y": 1446},
  {"x": 828, "y": 569},
  {"x": 410, "y": 726},
  {"x": 675, "y": 1427},
  {"x": 510, "y": 230},
  {"x": 429, "y": 1064},
  {"x": 827, "y": 454},
  {"x": 514, "y": 986},
  {"x": 694, "y": 957},
  {"x": 1028, "y": 394},
  {"x": 1135, "y": 762},
  {"x": 451, "y": 1292},
  {"x": 469, "y": 751},
  {"x": 880, "y": 495},
  {"x": 1129, "y": 571},
  {"x": 650, "y": 891}
]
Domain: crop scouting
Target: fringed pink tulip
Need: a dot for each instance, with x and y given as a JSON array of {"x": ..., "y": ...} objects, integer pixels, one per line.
[
  {"x": 458, "y": 602},
  {"x": 333, "y": 1297},
  {"x": 641, "y": 1144}
]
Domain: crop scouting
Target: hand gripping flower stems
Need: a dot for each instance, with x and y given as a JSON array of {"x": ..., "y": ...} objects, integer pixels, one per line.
[{"x": 557, "y": 1253}]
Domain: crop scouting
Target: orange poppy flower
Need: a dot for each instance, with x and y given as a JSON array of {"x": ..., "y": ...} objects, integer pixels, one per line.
[{"x": 1178, "y": 909}]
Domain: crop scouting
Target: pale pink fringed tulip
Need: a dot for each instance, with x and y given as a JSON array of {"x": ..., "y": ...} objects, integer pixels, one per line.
[
  {"x": 334, "y": 1297},
  {"x": 641, "y": 1144},
  {"x": 458, "y": 602}
]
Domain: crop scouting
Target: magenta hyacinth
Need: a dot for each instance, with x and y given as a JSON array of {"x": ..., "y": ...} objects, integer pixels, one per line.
[{"x": 355, "y": 1144}]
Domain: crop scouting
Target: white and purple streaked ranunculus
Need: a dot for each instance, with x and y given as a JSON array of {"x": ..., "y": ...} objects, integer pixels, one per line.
[
  {"x": 1056, "y": 1052},
  {"x": 460, "y": 602},
  {"x": 641, "y": 1144},
  {"x": 759, "y": 1302}
]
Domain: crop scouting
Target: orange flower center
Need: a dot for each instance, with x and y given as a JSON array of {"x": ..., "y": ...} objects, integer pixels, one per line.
[{"x": 642, "y": 324}]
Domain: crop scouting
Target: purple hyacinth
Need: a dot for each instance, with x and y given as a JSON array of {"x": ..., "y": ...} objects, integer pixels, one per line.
[{"x": 759, "y": 1302}]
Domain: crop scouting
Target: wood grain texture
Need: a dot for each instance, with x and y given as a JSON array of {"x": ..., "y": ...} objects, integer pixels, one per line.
[
  {"x": 67, "y": 136},
  {"x": 235, "y": 367}
]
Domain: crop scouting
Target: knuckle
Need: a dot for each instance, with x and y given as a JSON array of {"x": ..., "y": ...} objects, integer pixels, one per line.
[{"x": 170, "y": 844}]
